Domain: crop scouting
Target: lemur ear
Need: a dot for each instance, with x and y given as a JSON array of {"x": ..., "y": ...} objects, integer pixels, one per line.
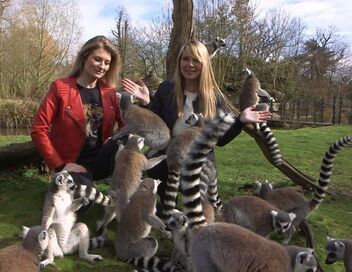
[
  {"x": 292, "y": 216},
  {"x": 310, "y": 250},
  {"x": 274, "y": 213},
  {"x": 24, "y": 231},
  {"x": 339, "y": 244},
  {"x": 59, "y": 179}
]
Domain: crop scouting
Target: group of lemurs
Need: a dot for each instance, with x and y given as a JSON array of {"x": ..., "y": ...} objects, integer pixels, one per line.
[{"x": 208, "y": 235}]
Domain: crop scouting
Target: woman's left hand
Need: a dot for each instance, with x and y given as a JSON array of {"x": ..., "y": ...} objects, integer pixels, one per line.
[
  {"x": 140, "y": 90},
  {"x": 249, "y": 115}
]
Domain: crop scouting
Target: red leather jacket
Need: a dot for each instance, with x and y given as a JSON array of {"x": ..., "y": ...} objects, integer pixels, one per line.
[{"x": 59, "y": 128}]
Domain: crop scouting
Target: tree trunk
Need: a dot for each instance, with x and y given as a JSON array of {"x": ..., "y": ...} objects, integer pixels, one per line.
[
  {"x": 182, "y": 31},
  {"x": 16, "y": 155}
]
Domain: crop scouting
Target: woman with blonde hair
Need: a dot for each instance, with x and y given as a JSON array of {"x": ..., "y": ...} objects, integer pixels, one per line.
[
  {"x": 193, "y": 89},
  {"x": 74, "y": 122}
]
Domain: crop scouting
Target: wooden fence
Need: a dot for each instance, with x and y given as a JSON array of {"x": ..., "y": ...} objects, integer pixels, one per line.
[{"x": 312, "y": 111}]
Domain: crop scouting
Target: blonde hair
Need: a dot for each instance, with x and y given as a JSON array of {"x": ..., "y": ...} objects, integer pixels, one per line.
[
  {"x": 99, "y": 42},
  {"x": 209, "y": 90}
]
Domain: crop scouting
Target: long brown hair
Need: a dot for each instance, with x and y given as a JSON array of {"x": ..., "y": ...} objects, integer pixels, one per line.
[
  {"x": 99, "y": 42},
  {"x": 209, "y": 90}
]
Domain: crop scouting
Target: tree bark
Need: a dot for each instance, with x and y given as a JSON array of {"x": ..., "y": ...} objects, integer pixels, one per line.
[
  {"x": 16, "y": 155},
  {"x": 182, "y": 31}
]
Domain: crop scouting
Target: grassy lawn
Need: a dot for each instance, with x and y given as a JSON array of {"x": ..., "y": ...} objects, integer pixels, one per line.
[{"x": 239, "y": 163}]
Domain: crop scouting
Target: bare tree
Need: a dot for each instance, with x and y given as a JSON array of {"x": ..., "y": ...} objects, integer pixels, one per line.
[
  {"x": 3, "y": 6},
  {"x": 39, "y": 41}
]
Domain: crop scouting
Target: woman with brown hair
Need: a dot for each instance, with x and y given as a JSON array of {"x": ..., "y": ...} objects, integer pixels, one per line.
[{"x": 74, "y": 123}]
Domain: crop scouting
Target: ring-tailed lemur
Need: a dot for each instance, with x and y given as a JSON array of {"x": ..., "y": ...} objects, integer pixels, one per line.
[
  {"x": 257, "y": 215},
  {"x": 133, "y": 243},
  {"x": 59, "y": 214},
  {"x": 126, "y": 178},
  {"x": 339, "y": 250},
  {"x": 25, "y": 257},
  {"x": 176, "y": 152},
  {"x": 182, "y": 237},
  {"x": 226, "y": 247},
  {"x": 289, "y": 199},
  {"x": 252, "y": 94},
  {"x": 214, "y": 46},
  {"x": 192, "y": 167},
  {"x": 145, "y": 123}
]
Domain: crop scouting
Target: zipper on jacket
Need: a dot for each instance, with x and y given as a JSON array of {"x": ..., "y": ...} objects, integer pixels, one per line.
[{"x": 84, "y": 132}]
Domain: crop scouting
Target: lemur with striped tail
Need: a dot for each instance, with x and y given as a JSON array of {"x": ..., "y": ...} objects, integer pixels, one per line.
[
  {"x": 59, "y": 217},
  {"x": 130, "y": 163},
  {"x": 133, "y": 243},
  {"x": 227, "y": 247},
  {"x": 176, "y": 152},
  {"x": 257, "y": 215},
  {"x": 252, "y": 94},
  {"x": 290, "y": 200}
]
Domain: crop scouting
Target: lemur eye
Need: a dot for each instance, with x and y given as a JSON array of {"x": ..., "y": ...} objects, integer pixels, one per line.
[{"x": 332, "y": 255}]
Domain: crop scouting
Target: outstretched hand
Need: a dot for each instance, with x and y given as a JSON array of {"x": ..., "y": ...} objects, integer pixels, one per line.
[
  {"x": 140, "y": 90},
  {"x": 249, "y": 115}
]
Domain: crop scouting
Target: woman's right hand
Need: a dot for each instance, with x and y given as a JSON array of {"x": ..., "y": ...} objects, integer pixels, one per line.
[
  {"x": 140, "y": 90},
  {"x": 74, "y": 167}
]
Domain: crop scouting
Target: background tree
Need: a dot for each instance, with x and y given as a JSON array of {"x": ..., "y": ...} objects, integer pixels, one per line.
[
  {"x": 3, "y": 6},
  {"x": 142, "y": 49},
  {"x": 39, "y": 40}
]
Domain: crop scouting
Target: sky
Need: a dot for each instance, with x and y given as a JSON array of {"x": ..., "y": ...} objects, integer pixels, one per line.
[{"x": 98, "y": 16}]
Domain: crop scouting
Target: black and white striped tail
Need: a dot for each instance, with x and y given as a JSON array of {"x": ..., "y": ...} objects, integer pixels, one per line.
[
  {"x": 209, "y": 184},
  {"x": 190, "y": 172},
  {"x": 326, "y": 170},
  {"x": 93, "y": 195},
  {"x": 153, "y": 264},
  {"x": 271, "y": 143},
  {"x": 170, "y": 197}
]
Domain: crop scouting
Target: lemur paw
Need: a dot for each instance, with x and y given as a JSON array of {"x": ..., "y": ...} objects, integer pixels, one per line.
[
  {"x": 84, "y": 201},
  {"x": 47, "y": 262},
  {"x": 92, "y": 258}
]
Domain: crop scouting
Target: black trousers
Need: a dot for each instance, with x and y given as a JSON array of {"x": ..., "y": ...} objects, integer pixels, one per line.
[{"x": 101, "y": 166}]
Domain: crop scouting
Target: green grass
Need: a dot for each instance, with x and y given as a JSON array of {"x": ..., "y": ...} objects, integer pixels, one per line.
[{"x": 239, "y": 163}]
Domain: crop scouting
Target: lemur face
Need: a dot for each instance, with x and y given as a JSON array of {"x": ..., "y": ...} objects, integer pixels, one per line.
[
  {"x": 64, "y": 181},
  {"x": 335, "y": 250}
]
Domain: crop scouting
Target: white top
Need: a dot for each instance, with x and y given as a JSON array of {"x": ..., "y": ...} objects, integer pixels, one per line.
[{"x": 180, "y": 123}]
